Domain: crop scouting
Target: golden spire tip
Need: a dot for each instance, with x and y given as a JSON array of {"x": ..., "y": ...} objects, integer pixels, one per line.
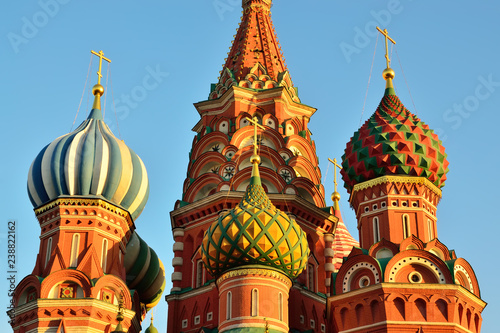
[
  {"x": 98, "y": 89},
  {"x": 335, "y": 194},
  {"x": 388, "y": 73}
]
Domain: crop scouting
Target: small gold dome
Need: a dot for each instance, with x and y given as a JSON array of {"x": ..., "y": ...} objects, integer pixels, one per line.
[
  {"x": 335, "y": 196},
  {"x": 388, "y": 73},
  {"x": 98, "y": 89},
  {"x": 255, "y": 159}
]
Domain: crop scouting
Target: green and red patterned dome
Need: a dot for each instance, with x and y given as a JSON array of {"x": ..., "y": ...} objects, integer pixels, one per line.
[
  {"x": 255, "y": 232},
  {"x": 393, "y": 141}
]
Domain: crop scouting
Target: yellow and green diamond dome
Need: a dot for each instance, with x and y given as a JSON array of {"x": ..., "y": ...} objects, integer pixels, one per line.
[{"x": 255, "y": 232}]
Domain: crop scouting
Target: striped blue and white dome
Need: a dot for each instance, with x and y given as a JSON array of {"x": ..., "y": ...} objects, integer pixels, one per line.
[{"x": 90, "y": 162}]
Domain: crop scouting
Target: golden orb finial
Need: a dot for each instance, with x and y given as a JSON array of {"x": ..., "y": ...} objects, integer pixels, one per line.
[
  {"x": 335, "y": 196},
  {"x": 255, "y": 159},
  {"x": 98, "y": 89},
  {"x": 388, "y": 73}
]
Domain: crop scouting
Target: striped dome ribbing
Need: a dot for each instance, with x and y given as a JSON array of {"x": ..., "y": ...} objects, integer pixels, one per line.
[{"x": 90, "y": 161}]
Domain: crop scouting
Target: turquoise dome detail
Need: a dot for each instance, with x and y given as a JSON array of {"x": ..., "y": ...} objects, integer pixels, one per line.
[{"x": 90, "y": 162}]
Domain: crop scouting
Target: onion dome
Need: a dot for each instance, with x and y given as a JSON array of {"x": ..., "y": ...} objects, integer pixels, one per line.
[
  {"x": 144, "y": 271},
  {"x": 255, "y": 232},
  {"x": 151, "y": 328},
  {"x": 393, "y": 141},
  {"x": 90, "y": 162}
]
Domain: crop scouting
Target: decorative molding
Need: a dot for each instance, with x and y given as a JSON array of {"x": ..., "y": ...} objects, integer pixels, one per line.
[
  {"x": 329, "y": 238},
  {"x": 459, "y": 268},
  {"x": 329, "y": 267},
  {"x": 405, "y": 261},
  {"x": 176, "y": 276},
  {"x": 178, "y": 246},
  {"x": 256, "y": 271},
  {"x": 346, "y": 287},
  {"x": 396, "y": 179},
  {"x": 178, "y": 232},
  {"x": 177, "y": 261},
  {"x": 97, "y": 202},
  {"x": 329, "y": 252}
]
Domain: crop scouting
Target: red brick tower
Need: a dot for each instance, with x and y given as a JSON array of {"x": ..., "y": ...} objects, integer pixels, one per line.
[
  {"x": 254, "y": 83},
  {"x": 88, "y": 188},
  {"x": 402, "y": 279}
]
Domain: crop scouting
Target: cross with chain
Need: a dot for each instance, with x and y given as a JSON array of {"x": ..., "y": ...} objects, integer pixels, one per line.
[
  {"x": 256, "y": 124},
  {"x": 386, "y": 35},
  {"x": 101, "y": 56},
  {"x": 336, "y": 165}
]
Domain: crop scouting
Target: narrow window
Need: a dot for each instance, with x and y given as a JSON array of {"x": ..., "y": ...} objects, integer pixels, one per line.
[
  {"x": 49, "y": 250},
  {"x": 406, "y": 226},
  {"x": 255, "y": 302},
  {"x": 280, "y": 305},
  {"x": 431, "y": 230},
  {"x": 229, "y": 305},
  {"x": 75, "y": 246},
  {"x": 310, "y": 277},
  {"x": 104, "y": 255},
  {"x": 376, "y": 230},
  {"x": 199, "y": 273}
]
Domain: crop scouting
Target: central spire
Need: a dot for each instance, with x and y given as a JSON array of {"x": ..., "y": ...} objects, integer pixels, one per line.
[
  {"x": 256, "y": 42},
  {"x": 255, "y": 60},
  {"x": 248, "y": 3}
]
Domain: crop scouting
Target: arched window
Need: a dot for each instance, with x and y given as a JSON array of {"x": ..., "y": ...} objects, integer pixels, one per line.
[
  {"x": 280, "y": 305},
  {"x": 229, "y": 305},
  {"x": 255, "y": 302},
  {"x": 75, "y": 246},
  {"x": 199, "y": 273},
  {"x": 406, "y": 226},
  {"x": 104, "y": 255},
  {"x": 48, "y": 252},
  {"x": 310, "y": 277},
  {"x": 431, "y": 229},
  {"x": 376, "y": 230}
]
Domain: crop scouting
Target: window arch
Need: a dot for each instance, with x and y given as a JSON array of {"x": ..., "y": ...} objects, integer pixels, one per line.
[
  {"x": 255, "y": 302},
  {"x": 406, "y": 226},
  {"x": 431, "y": 229},
  {"x": 75, "y": 246},
  {"x": 199, "y": 273},
  {"x": 48, "y": 252},
  {"x": 104, "y": 255},
  {"x": 229, "y": 305},
  {"x": 376, "y": 230},
  {"x": 310, "y": 277}
]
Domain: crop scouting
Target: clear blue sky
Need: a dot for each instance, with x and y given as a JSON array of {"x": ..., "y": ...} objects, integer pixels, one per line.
[{"x": 449, "y": 52}]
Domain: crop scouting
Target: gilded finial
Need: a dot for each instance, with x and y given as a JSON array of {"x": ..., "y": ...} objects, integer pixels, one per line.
[
  {"x": 255, "y": 159},
  {"x": 119, "y": 317},
  {"x": 98, "y": 89},
  {"x": 335, "y": 194},
  {"x": 267, "y": 325},
  {"x": 388, "y": 73}
]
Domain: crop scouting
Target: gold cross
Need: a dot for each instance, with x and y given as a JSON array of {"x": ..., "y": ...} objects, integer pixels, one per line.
[
  {"x": 101, "y": 57},
  {"x": 384, "y": 32},
  {"x": 334, "y": 162},
  {"x": 256, "y": 124}
]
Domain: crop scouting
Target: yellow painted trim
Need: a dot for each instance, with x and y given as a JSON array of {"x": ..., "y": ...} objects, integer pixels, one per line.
[{"x": 396, "y": 179}]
